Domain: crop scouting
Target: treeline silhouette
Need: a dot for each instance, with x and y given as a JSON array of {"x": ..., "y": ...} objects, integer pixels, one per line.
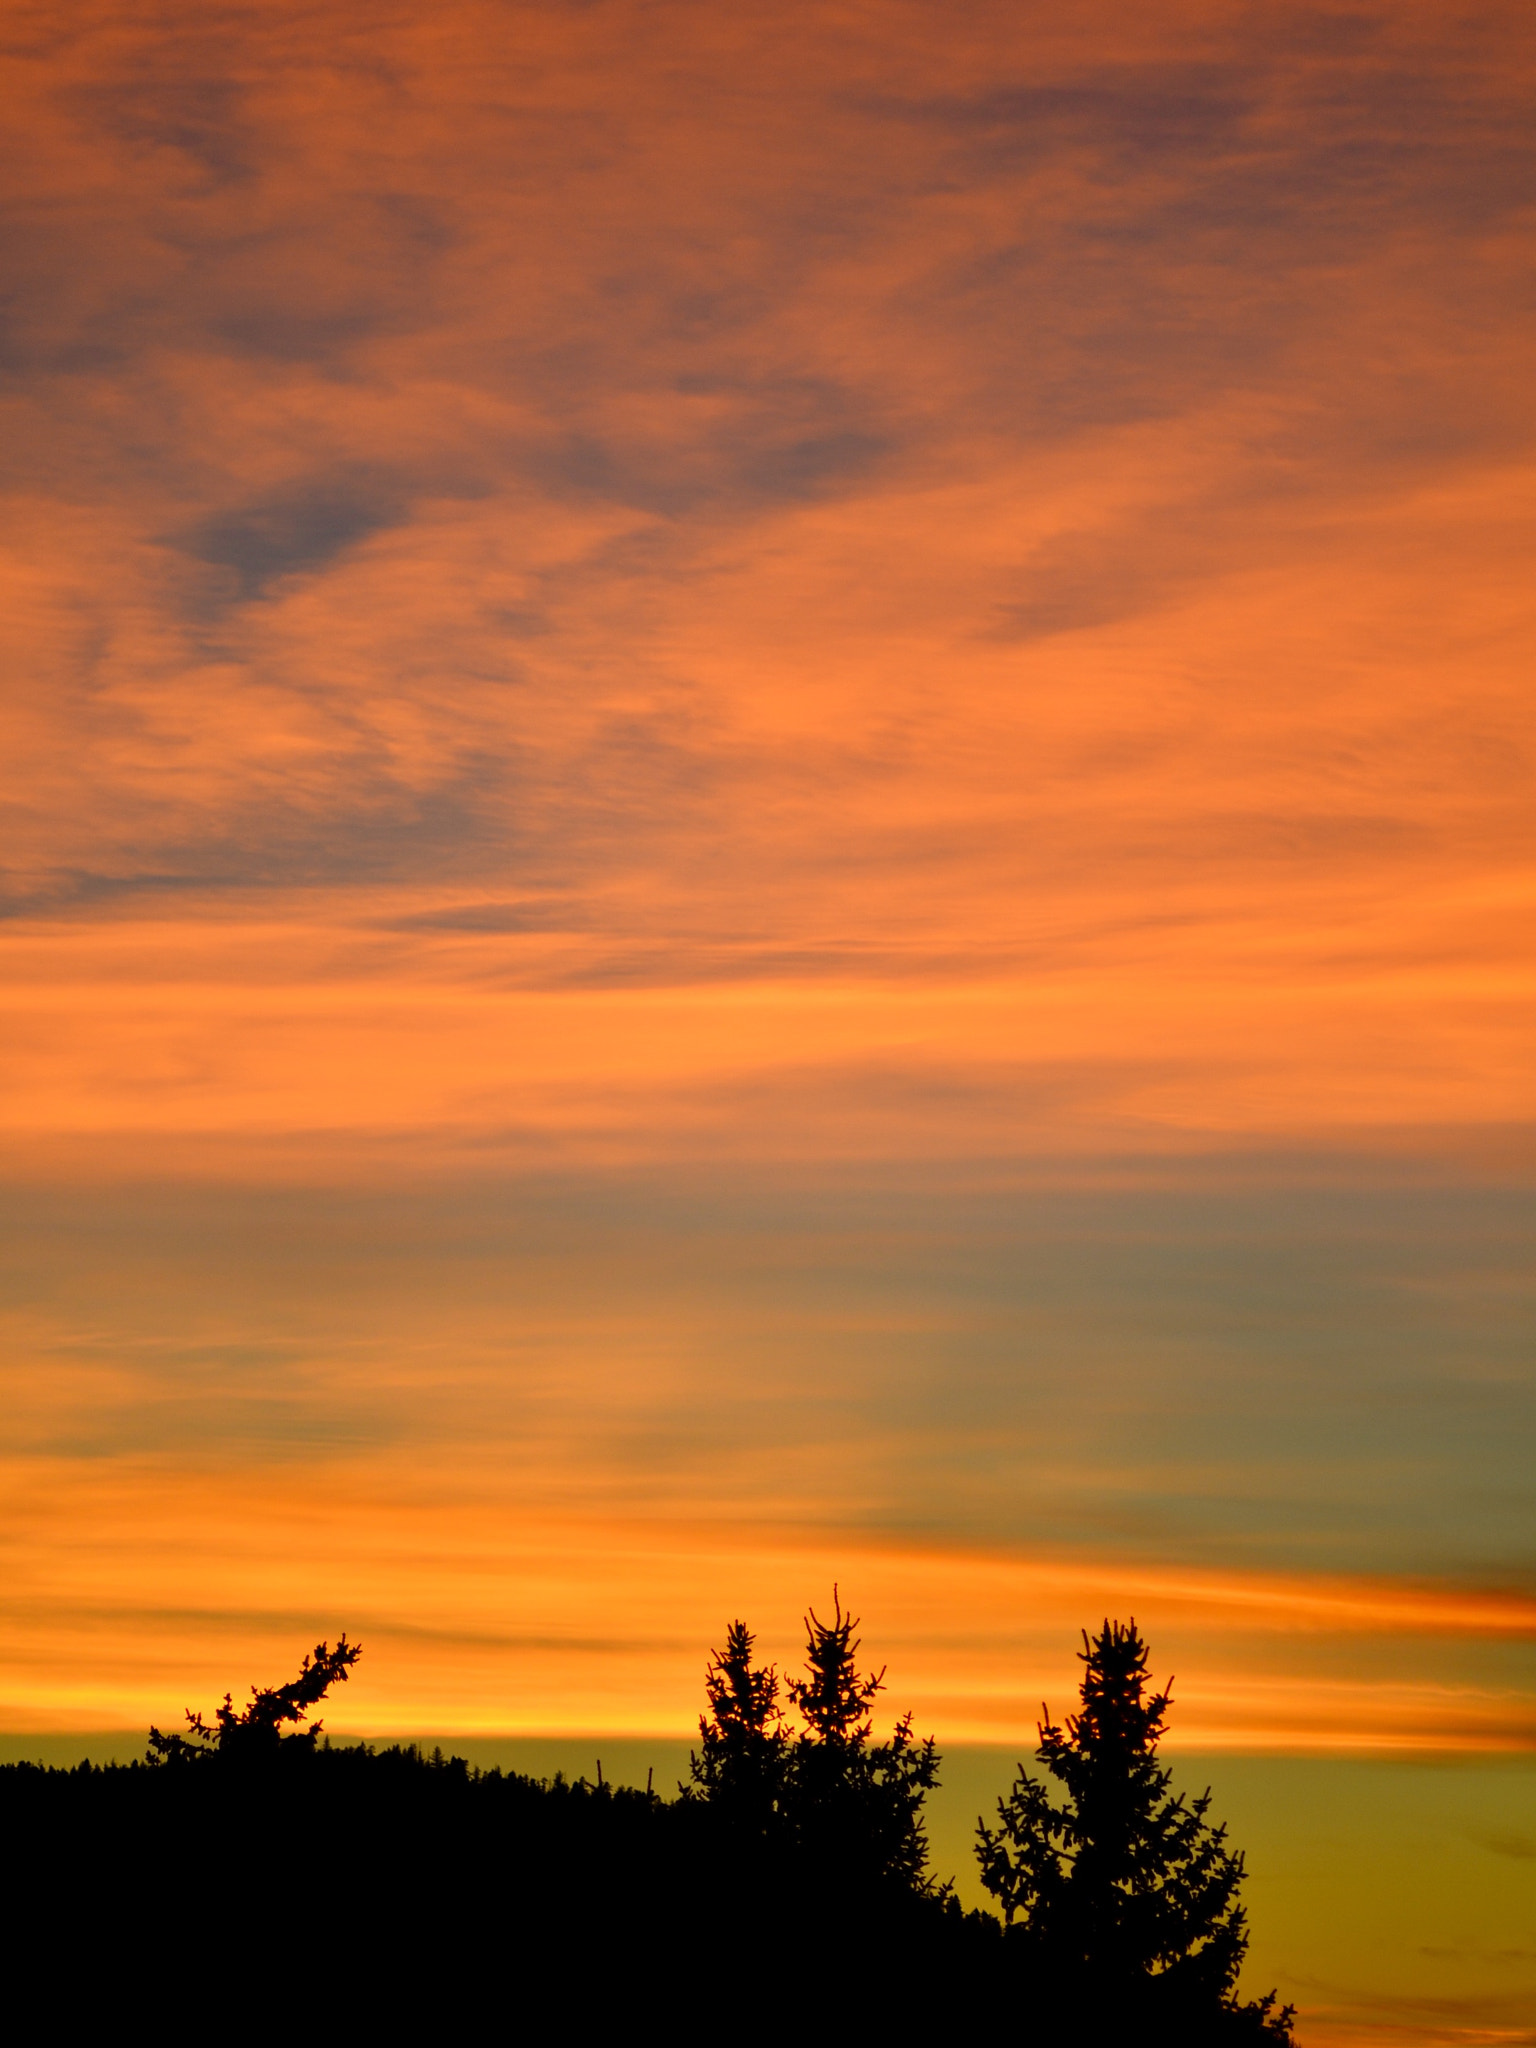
[{"x": 249, "y": 1875}]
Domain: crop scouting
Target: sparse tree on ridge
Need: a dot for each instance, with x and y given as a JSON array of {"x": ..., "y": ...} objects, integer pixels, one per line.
[
  {"x": 1124, "y": 1894},
  {"x": 255, "y": 1733}
]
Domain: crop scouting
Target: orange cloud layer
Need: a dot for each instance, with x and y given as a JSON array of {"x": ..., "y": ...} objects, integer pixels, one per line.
[
  {"x": 819, "y": 488},
  {"x": 483, "y": 1616},
  {"x": 184, "y": 1033}
]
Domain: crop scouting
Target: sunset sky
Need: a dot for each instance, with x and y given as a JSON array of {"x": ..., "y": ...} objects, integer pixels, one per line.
[{"x": 768, "y": 818}]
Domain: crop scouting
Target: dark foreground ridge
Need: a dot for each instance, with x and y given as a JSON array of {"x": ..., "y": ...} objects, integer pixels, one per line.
[{"x": 248, "y": 1878}]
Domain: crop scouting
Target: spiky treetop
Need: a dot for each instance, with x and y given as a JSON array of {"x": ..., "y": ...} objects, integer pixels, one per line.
[{"x": 835, "y": 1700}]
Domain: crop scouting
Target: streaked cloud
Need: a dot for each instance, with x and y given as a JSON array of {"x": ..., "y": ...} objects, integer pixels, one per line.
[{"x": 484, "y": 1615}]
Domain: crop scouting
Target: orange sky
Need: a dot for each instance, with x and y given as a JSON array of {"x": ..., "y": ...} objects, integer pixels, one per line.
[
  {"x": 570, "y": 569},
  {"x": 767, "y": 817}
]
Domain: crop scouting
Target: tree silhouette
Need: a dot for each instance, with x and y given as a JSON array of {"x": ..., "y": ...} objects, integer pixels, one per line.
[
  {"x": 743, "y": 1742},
  {"x": 795, "y": 1864},
  {"x": 1124, "y": 1887},
  {"x": 855, "y": 1804},
  {"x": 255, "y": 1733}
]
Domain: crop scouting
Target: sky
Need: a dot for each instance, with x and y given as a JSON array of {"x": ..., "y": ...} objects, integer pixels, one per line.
[{"x": 768, "y": 819}]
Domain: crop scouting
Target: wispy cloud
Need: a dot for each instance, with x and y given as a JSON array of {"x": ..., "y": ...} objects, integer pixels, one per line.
[{"x": 787, "y": 388}]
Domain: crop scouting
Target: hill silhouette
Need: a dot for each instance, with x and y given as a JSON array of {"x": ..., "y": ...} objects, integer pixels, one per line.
[{"x": 250, "y": 1876}]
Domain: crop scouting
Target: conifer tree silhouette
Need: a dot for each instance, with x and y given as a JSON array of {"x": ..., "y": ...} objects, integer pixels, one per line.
[
  {"x": 1124, "y": 1885},
  {"x": 743, "y": 1743},
  {"x": 255, "y": 1733},
  {"x": 856, "y": 1804}
]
